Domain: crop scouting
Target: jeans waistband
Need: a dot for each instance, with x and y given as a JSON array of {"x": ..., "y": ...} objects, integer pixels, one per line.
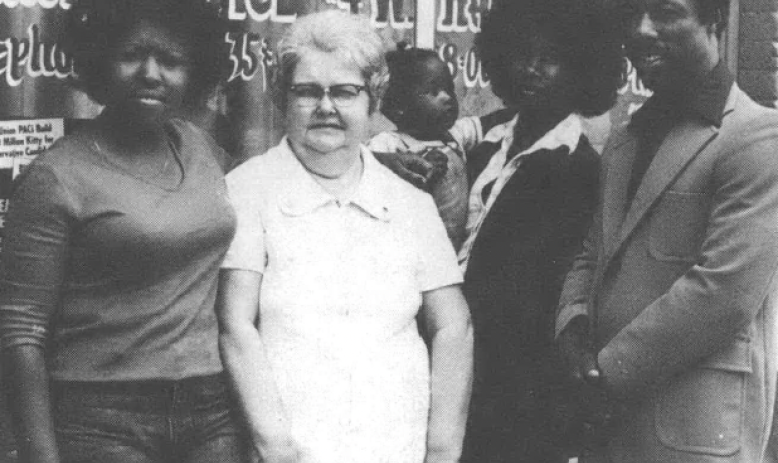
[{"x": 148, "y": 395}]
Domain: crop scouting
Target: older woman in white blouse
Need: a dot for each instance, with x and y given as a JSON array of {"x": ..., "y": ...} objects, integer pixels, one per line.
[{"x": 335, "y": 256}]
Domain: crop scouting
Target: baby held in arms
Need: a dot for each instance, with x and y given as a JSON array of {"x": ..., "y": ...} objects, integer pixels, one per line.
[{"x": 421, "y": 102}]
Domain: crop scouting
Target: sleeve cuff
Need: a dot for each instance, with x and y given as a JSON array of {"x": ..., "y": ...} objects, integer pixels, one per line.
[
  {"x": 567, "y": 314},
  {"x": 22, "y": 325},
  {"x": 623, "y": 378}
]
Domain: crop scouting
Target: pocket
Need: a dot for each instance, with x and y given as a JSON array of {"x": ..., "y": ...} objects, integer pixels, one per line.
[
  {"x": 208, "y": 393},
  {"x": 678, "y": 226},
  {"x": 702, "y": 411},
  {"x": 87, "y": 430}
]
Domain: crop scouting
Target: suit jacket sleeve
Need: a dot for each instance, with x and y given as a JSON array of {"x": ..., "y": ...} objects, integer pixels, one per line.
[
  {"x": 723, "y": 292},
  {"x": 575, "y": 299}
]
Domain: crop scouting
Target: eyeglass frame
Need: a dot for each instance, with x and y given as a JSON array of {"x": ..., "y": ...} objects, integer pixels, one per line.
[{"x": 325, "y": 91}]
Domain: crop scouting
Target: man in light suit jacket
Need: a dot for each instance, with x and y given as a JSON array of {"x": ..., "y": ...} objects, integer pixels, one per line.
[{"x": 668, "y": 318}]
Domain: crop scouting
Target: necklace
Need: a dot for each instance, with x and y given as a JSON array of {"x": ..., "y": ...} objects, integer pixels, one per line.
[{"x": 148, "y": 172}]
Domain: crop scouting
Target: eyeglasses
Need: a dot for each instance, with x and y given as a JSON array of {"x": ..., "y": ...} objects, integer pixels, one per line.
[{"x": 341, "y": 95}]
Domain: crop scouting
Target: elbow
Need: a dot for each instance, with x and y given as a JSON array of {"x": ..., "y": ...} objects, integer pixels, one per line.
[
  {"x": 467, "y": 331},
  {"x": 229, "y": 348},
  {"x": 235, "y": 343},
  {"x": 459, "y": 331}
]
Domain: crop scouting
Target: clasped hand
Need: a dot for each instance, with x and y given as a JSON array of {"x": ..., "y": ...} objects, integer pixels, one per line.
[
  {"x": 421, "y": 169},
  {"x": 595, "y": 411}
]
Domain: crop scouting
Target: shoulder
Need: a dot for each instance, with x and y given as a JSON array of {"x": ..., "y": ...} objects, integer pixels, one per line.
[
  {"x": 258, "y": 165},
  {"x": 387, "y": 142},
  {"x": 192, "y": 137},
  {"x": 397, "y": 190},
  {"x": 259, "y": 173},
  {"x": 77, "y": 146},
  {"x": 748, "y": 118},
  {"x": 750, "y": 125},
  {"x": 53, "y": 178},
  {"x": 746, "y": 154},
  {"x": 467, "y": 123},
  {"x": 466, "y": 128},
  {"x": 71, "y": 159}
]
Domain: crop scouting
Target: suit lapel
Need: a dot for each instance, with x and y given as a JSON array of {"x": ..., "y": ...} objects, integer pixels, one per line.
[
  {"x": 682, "y": 144},
  {"x": 619, "y": 168}
]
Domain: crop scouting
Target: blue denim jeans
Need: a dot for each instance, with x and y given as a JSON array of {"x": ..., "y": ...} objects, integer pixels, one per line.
[{"x": 187, "y": 421}]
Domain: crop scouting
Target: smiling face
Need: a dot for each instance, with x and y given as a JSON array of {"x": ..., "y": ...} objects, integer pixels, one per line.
[
  {"x": 668, "y": 44},
  {"x": 324, "y": 127},
  {"x": 432, "y": 106},
  {"x": 539, "y": 81},
  {"x": 149, "y": 74}
]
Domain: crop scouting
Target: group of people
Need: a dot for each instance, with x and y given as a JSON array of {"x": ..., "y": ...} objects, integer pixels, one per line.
[{"x": 478, "y": 289}]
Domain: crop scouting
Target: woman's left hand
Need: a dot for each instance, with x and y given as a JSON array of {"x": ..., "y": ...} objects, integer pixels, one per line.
[{"x": 441, "y": 457}]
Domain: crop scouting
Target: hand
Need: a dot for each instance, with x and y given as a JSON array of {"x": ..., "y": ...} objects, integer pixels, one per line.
[
  {"x": 599, "y": 415},
  {"x": 279, "y": 451},
  {"x": 577, "y": 353},
  {"x": 585, "y": 416},
  {"x": 439, "y": 162},
  {"x": 410, "y": 167},
  {"x": 588, "y": 420},
  {"x": 434, "y": 456}
]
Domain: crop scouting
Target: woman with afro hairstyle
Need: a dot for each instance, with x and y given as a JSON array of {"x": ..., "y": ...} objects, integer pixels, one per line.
[
  {"x": 535, "y": 184},
  {"x": 112, "y": 249}
]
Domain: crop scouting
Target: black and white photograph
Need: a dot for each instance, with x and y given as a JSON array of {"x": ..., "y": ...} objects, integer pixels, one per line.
[{"x": 388, "y": 231}]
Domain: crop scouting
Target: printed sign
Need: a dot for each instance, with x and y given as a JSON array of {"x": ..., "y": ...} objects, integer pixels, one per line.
[
  {"x": 20, "y": 142},
  {"x": 34, "y": 68}
]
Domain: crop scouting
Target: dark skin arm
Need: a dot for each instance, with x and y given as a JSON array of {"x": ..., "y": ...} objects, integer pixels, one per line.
[
  {"x": 27, "y": 383},
  {"x": 422, "y": 171},
  {"x": 409, "y": 166}
]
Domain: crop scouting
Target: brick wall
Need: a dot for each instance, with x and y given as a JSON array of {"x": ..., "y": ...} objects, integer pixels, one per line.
[{"x": 758, "y": 50}]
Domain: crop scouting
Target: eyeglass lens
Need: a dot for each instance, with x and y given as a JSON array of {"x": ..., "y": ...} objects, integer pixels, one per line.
[{"x": 310, "y": 94}]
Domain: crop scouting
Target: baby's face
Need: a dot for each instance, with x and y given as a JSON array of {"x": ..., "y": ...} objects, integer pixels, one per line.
[{"x": 432, "y": 107}]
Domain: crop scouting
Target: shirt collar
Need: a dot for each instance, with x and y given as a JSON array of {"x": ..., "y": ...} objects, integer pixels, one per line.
[
  {"x": 565, "y": 134},
  {"x": 304, "y": 195},
  {"x": 501, "y": 132},
  {"x": 706, "y": 100},
  {"x": 372, "y": 189}
]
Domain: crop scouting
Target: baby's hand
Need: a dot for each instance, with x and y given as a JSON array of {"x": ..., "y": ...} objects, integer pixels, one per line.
[
  {"x": 439, "y": 162},
  {"x": 409, "y": 166}
]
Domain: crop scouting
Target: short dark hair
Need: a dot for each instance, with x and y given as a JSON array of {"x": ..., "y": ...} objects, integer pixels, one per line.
[
  {"x": 714, "y": 12},
  {"x": 589, "y": 37},
  {"x": 405, "y": 68},
  {"x": 94, "y": 27}
]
